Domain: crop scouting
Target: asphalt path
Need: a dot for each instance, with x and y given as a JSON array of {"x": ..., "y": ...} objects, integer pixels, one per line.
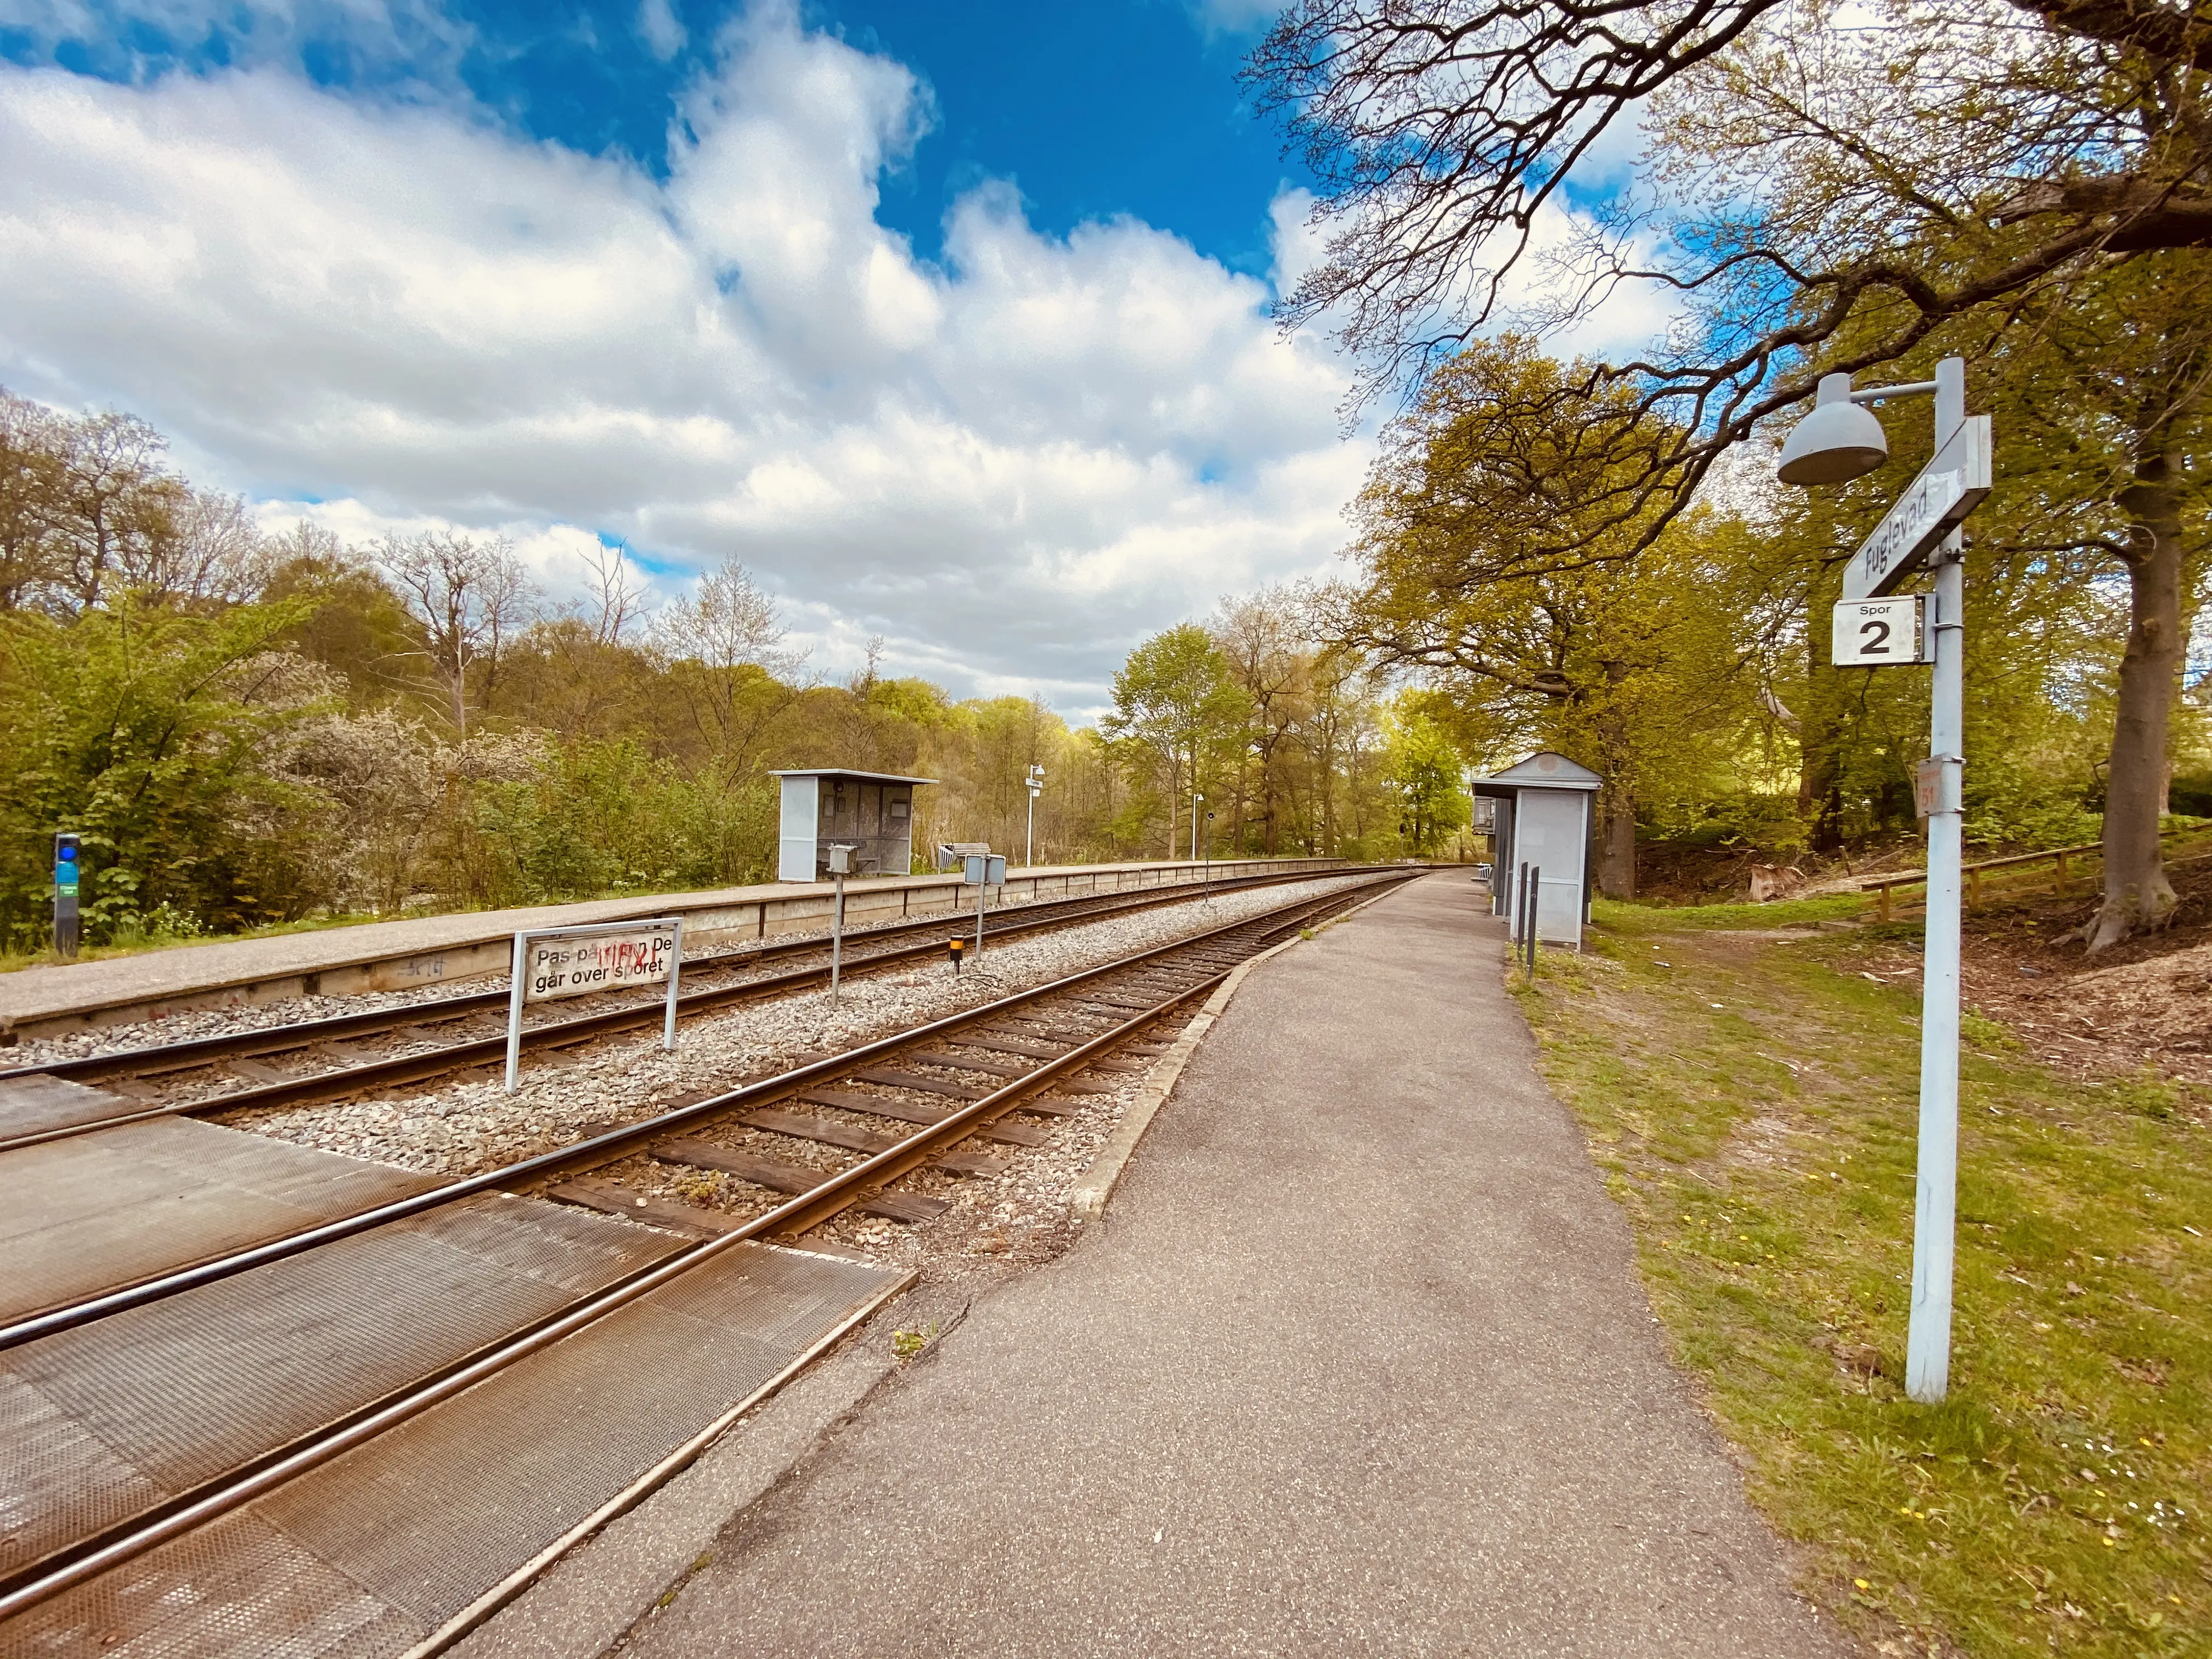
[{"x": 1356, "y": 1364}]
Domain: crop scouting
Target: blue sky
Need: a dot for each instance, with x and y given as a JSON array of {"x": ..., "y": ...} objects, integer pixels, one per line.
[
  {"x": 949, "y": 319},
  {"x": 1093, "y": 109}
]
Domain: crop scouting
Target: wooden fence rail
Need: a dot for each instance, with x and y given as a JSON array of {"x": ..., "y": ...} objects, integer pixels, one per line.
[{"x": 2058, "y": 856}]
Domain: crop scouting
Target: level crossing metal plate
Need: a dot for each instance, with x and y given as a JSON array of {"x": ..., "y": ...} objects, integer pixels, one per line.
[
  {"x": 100, "y": 1423},
  {"x": 423, "y": 1528},
  {"x": 36, "y": 1104},
  {"x": 99, "y": 1211}
]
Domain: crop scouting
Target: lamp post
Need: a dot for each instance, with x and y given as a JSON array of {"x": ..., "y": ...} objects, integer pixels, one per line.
[
  {"x": 1035, "y": 780},
  {"x": 1838, "y": 441}
]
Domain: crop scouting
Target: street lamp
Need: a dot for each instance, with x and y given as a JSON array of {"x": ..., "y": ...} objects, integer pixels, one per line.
[
  {"x": 1838, "y": 441},
  {"x": 1035, "y": 780}
]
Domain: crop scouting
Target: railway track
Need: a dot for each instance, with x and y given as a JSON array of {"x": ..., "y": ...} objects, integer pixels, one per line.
[
  {"x": 340, "y": 1377},
  {"x": 452, "y": 1035}
]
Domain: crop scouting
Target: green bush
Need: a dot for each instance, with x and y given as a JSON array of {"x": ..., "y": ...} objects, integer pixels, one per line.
[
  {"x": 151, "y": 731},
  {"x": 607, "y": 818}
]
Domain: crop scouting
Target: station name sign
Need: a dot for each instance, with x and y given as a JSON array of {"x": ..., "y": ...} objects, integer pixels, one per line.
[
  {"x": 1948, "y": 488},
  {"x": 558, "y": 967}
]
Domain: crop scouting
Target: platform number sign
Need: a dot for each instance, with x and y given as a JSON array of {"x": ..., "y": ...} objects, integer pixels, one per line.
[{"x": 1876, "y": 632}]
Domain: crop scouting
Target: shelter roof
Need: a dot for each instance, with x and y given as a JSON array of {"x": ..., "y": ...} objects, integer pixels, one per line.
[
  {"x": 1545, "y": 769},
  {"x": 846, "y": 772}
]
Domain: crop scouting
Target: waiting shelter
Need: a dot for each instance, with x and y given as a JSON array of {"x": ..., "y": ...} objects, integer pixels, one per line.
[
  {"x": 1541, "y": 819},
  {"x": 872, "y": 812}
]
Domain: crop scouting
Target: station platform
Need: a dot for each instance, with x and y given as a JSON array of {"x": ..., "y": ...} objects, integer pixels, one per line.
[
  {"x": 1356, "y": 1363},
  {"x": 425, "y": 952}
]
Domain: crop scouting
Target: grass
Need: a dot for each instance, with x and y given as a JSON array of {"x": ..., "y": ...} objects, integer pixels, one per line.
[
  {"x": 1784, "y": 913},
  {"x": 906, "y": 1344},
  {"x": 1752, "y": 1106}
]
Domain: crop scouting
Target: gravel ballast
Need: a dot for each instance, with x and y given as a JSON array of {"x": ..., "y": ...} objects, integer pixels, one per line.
[
  {"x": 468, "y": 1126},
  {"x": 191, "y": 1025}
]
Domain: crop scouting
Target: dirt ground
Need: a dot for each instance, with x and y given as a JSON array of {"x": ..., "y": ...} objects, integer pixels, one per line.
[
  {"x": 2146, "y": 1004},
  {"x": 1670, "y": 872}
]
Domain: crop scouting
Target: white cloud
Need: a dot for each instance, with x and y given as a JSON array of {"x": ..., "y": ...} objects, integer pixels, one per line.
[
  {"x": 1299, "y": 244},
  {"x": 661, "y": 30},
  {"x": 1547, "y": 292},
  {"x": 1013, "y": 464},
  {"x": 1554, "y": 279}
]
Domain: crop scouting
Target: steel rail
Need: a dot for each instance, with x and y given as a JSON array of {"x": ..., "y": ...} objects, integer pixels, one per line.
[
  {"x": 599, "y": 1147},
  {"x": 479, "y": 1051},
  {"x": 193, "y": 1052},
  {"x": 795, "y": 1216},
  {"x": 182, "y": 1502}
]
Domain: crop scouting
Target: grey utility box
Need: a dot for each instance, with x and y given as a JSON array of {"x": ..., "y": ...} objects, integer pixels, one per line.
[
  {"x": 872, "y": 812},
  {"x": 1541, "y": 817}
]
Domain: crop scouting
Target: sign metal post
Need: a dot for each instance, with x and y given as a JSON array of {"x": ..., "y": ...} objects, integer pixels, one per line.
[
  {"x": 1921, "y": 530},
  {"x": 840, "y": 863},
  {"x": 983, "y": 870},
  {"x": 1035, "y": 780},
  {"x": 1928, "y": 1333}
]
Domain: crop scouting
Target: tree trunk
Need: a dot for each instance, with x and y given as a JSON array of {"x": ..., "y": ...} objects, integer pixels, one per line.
[
  {"x": 1271, "y": 828},
  {"x": 1616, "y": 860},
  {"x": 1820, "y": 721},
  {"x": 2137, "y": 892},
  {"x": 1327, "y": 784},
  {"x": 1616, "y": 800},
  {"x": 1174, "y": 800}
]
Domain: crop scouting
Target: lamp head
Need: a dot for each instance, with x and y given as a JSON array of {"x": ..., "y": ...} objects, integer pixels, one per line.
[{"x": 1838, "y": 441}]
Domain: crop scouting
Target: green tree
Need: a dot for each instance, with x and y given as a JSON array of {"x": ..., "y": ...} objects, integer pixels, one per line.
[
  {"x": 1173, "y": 699},
  {"x": 1829, "y": 197},
  {"x": 353, "y": 624},
  {"x": 722, "y": 648},
  {"x": 1425, "y": 768},
  {"x": 1262, "y": 638},
  {"x": 469, "y": 597},
  {"x": 151, "y": 734},
  {"x": 1635, "y": 667}
]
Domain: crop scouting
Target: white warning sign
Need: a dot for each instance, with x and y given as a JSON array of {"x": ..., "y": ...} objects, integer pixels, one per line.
[{"x": 558, "y": 967}]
